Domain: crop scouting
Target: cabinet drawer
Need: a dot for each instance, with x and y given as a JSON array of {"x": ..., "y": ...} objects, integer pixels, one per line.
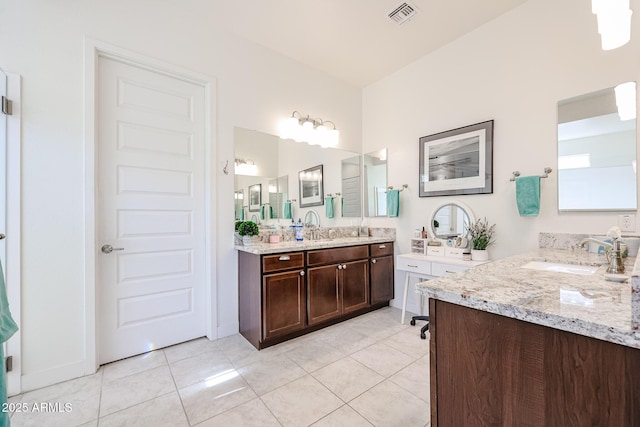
[
  {"x": 414, "y": 265},
  {"x": 282, "y": 261},
  {"x": 381, "y": 249},
  {"x": 438, "y": 269},
  {"x": 330, "y": 256},
  {"x": 435, "y": 250}
]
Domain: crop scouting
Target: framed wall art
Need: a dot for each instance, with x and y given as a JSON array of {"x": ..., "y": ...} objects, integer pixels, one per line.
[
  {"x": 311, "y": 190},
  {"x": 255, "y": 197},
  {"x": 458, "y": 161}
]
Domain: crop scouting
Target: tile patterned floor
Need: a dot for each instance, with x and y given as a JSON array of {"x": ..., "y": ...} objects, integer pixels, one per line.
[{"x": 368, "y": 371}]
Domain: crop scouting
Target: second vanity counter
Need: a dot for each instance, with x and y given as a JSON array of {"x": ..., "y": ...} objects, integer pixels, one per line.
[{"x": 587, "y": 305}]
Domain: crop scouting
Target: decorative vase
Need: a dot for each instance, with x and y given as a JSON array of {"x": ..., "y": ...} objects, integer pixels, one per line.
[
  {"x": 247, "y": 240},
  {"x": 479, "y": 255}
]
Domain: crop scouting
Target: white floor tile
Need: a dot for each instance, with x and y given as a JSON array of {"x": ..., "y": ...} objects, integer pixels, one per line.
[
  {"x": 133, "y": 365},
  {"x": 200, "y": 367},
  {"x": 270, "y": 374},
  {"x": 209, "y": 398},
  {"x": 189, "y": 349},
  {"x": 347, "y": 378},
  {"x": 389, "y": 405},
  {"x": 343, "y": 417},
  {"x": 131, "y": 390},
  {"x": 383, "y": 359},
  {"x": 301, "y": 402},
  {"x": 162, "y": 411},
  {"x": 415, "y": 379},
  {"x": 251, "y": 414}
]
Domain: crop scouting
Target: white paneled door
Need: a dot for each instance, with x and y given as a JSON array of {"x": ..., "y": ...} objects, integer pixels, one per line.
[{"x": 151, "y": 210}]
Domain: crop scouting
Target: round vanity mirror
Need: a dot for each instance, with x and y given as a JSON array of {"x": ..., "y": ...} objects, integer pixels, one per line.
[
  {"x": 311, "y": 219},
  {"x": 450, "y": 221}
]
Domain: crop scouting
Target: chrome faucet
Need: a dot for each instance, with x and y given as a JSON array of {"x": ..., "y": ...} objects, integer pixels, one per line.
[{"x": 614, "y": 255}]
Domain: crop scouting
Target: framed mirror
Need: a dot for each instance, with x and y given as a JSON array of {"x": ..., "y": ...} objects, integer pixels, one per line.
[
  {"x": 311, "y": 219},
  {"x": 375, "y": 183},
  {"x": 597, "y": 151},
  {"x": 450, "y": 221},
  {"x": 351, "y": 191}
]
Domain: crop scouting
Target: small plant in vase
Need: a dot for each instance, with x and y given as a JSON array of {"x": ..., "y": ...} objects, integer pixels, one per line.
[
  {"x": 481, "y": 234},
  {"x": 247, "y": 229}
]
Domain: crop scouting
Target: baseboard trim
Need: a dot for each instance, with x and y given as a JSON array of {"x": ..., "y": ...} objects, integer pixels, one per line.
[
  {"x": 53, "y": 376},
  {"x": 228, "y": 330}
]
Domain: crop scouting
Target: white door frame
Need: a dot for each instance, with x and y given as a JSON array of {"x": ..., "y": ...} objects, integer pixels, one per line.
[
  {"x": 13, "y": 242},
  {"x": 93, "y": 51}
]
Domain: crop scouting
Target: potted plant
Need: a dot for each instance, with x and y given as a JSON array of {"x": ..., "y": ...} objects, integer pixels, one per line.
[
  {"x": 481, "y": 234},
  {"x": 436, "y": 225},
  {"x": 247, "y": 229}
]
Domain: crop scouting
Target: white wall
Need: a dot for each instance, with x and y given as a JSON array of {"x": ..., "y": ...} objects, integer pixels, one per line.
[
  {"x": 512, "y": 70},
  {"x": 43, "y": 41}
]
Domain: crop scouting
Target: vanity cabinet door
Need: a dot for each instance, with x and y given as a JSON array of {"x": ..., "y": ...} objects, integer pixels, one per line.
[
  {"x": 355, "y": 285},
  {"x": 381, "y": 279},
  {"x": 284, "y": 299},
  {"x": 324, "y": 293}
]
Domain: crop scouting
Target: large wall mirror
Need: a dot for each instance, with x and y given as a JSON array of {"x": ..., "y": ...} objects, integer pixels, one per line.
[
  {"x": 451, "y": 221},
  {"x": 375, "y": 183},
  {"x": 597, "y": 151},
  {"x": 274, "y": 163}
]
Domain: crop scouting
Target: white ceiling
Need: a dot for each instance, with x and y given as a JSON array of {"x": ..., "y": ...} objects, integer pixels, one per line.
[{"x": 354, "y": 40}]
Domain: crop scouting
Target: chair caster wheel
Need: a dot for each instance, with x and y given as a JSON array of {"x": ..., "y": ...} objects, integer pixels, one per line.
[
  {"x": 423, "y": 336},
  {"x": 413, "y": 322}
]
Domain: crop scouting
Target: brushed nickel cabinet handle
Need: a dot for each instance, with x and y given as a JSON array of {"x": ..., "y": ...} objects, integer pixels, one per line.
[
  {"x": 373, "y": 261},
  {"x": 302, "y": 273},
  {"x": 285, "y": 258},
  {"x": 382, "y": 246}
]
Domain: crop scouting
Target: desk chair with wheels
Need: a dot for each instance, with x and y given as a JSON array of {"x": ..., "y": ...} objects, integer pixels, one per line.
[{"x": 424, "y": 329}]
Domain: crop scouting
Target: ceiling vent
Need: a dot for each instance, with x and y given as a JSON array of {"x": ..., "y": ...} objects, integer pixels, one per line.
[{"x": 403, "y": 13}]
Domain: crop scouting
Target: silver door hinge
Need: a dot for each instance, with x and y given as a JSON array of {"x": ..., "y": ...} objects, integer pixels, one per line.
[
  {"x": 7, "y": 106},
  {"x": 8, "y": 362}
]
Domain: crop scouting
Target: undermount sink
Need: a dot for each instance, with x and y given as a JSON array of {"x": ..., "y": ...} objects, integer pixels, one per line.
[{"x": 581, "y": 270}]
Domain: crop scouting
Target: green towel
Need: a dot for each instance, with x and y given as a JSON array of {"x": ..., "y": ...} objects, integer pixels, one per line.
[
  {"x": 329, "y": 207},
  {"x": 261, "y": 211},
  {"x": 7, "y": 328},
  {"x": 242, "y": 214},
  {"x": 271, "y": 215},
  {"x": 287, "y": 210},
  {"x": 528, "y": 195},
  {"x": 393, "y": 203}
]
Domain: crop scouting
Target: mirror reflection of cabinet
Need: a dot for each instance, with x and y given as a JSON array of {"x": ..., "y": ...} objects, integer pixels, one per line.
[
  {"x": 597, "y": 152},
  {"x": 453, "y": 220},
  {"x": 375, "y": 183}
]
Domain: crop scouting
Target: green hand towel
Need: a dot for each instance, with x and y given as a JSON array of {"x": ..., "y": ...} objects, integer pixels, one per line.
[
  {"x": 7, "y": 328},
  {"x": 393, "y": 203},
  {"x": 241, "y": 214},
  {"x": 329, "y": 207},
  {"x": 287, "y": 210},
  {"x": 262, "y": 211},
  {"x": 271, "y": 215},
  {"x": 528, "y": 195}
]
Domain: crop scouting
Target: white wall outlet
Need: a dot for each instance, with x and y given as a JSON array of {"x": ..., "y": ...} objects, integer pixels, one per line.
[{"x": 627, "y": 222}]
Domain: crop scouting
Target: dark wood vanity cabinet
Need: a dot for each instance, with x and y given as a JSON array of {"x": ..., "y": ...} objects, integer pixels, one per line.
[
  {"x": 337, "y": 287},
  {"x": 285, "y": 295},
  {"x": 381, "y": 272}
]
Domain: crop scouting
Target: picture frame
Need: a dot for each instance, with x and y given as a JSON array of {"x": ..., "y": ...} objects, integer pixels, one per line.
[
  {"x": 255, "y": 197},
  {"x": 458, "y": 161},
  {"x": 310, "y": 187}
]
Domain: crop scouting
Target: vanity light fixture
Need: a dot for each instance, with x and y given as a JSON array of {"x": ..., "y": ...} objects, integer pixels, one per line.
[
  {"x": 626, "y": 100},
  {"x": 245, "y": 167},
  {"x": 614, "y": 22},
  {"x": 311, "y": 131}
]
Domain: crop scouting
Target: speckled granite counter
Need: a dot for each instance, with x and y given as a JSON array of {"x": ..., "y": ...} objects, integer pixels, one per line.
[
  {"x": 305, "y": 245},
  {"x": 585, "y": 305}
]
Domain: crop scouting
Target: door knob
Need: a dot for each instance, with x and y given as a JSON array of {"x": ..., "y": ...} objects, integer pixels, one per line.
[
  {"x": 302, "y": 273},
  {"x": 107, "y": 249},
  {"x": 373, "y": 261}
]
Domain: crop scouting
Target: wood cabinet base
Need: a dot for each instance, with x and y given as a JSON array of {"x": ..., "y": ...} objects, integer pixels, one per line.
[{"x": 488, "y": 369}]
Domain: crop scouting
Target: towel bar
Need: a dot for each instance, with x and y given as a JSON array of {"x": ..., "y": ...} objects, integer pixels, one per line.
[
  {"x": 547, "y": 171},
  {"x": 403, "y": 187}
]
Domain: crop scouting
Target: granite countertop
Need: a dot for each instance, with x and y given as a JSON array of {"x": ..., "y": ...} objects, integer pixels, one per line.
[
  {"x": 305, "y": 245},
  {"x": 585, "y": 305}
]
